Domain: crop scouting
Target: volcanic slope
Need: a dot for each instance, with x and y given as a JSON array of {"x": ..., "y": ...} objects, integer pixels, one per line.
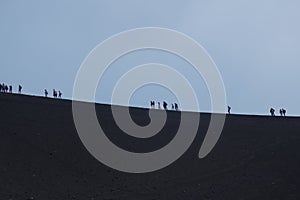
[{"x": 42, "y": 157}]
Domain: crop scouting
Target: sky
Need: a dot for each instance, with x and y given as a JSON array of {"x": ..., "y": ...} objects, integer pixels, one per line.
[{"x": 255, "y": 45}]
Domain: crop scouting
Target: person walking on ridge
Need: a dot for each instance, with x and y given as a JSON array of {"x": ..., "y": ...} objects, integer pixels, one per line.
[
  {"x": 176, "y": 106},
  {"x": 46, "y": 93},
  {"x": 20, "y": 89},
  {"x": 228, "y": 109},
  {"x": 272, "y": 111},
  {"x": 165, "y": 105},
  {"x": 283, "y": 112},
  {"x": 54, "y": 93}
]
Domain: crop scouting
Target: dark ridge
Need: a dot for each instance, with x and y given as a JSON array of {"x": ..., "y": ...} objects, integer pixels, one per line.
[{"x": 42, "y": 157}]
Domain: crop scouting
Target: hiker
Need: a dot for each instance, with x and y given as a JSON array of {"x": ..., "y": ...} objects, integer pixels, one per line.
[
  {"x": 228, "y": 109},
  {"x": 59, "y": 94},
  {"x": 283, "y": 112},
  {"x": 272, "y": 111},
  {"x": 152, "y": 104},
  {"x": 54, "y": 93},
  {"x": 20, "y": 89},
  {"x": 0, "y": 87},
  {"x": 158, "y": 105},
  {"x": 46, "y": 93},
  {"x": 172, "y": 106},
  {"x": 176, "y": 106},
  {"x": 6, "y": 88},
  {"x": 10, "y": 89},
  {"x": 165, "y": 105}
]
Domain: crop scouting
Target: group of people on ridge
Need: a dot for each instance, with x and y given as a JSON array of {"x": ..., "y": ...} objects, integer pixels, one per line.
[
  {"x": 5, "y": 88},
  {"x": 174, "y": 106},
  {"x": 282, "y": 112},
  {"x": 56, "y": 94},
  {"x": 9, "y": 89}
]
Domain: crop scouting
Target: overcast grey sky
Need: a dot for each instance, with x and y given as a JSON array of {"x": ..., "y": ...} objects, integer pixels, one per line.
[{"x": 255, "y": 45}]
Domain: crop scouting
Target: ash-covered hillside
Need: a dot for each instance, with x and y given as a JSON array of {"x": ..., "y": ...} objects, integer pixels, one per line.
[{"x": 42, "y": 157}]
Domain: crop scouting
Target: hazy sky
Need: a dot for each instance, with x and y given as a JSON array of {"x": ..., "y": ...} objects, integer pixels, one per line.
[{"x": 255, "y": 45}]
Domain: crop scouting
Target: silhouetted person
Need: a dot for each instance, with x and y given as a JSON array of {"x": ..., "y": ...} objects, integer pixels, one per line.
[
  {"x": 6, "y": 88},
  {"x": 54, "y": 93},
  {"x": 10, "y": 88},
  {"x": 46, "y": 93},
  {"x": 165, "y": 105},
  {"x": 152, "y": 104},
  {"x": 272, "y": 111},
  {"x": 283, "y": 112},
  {"x": 228, "y": 109},
  {"x": 172, "y": 106},
  {"x": 20, "y": 89},
  {"x": 176, "y": 106},
  {"x": 59, "y": 94},
  {"x": 158, "y": 105},
  {"x": 1, "y": 88}
]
